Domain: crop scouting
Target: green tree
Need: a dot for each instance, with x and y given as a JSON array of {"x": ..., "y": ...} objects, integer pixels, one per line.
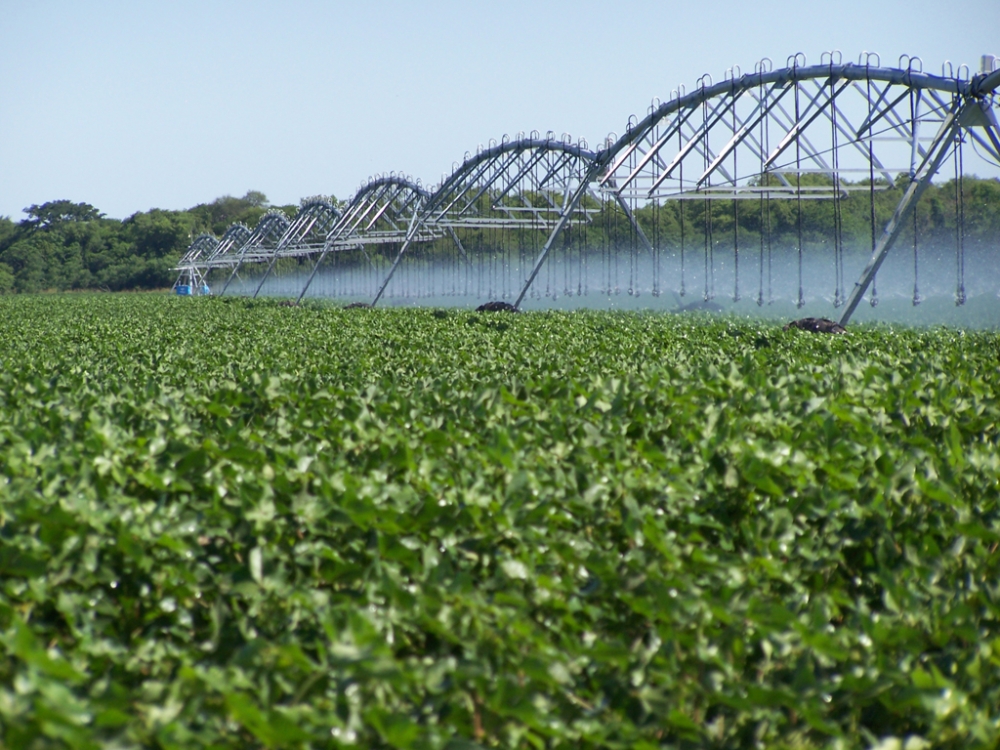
[
  {"x": 53, "y": 213},
  {"x": 255, "y": 198},
  {"x": 6, "y": 279},
  {"x": 8, "y": 232},
  {"x": 29, "y": 260},
  {"x": 158, "y": 233}
]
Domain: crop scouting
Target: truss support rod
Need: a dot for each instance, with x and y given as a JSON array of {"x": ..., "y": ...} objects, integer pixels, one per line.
[
  {"x": 935, "y": 155},
  {"x": 500, "y": 172},
  {"x": 232, "y": 276},
  {"x": 239, "y": 264},
  {"x": 992, "y": 146},
  {"x": 305, "y": 287},
  {"x": 762, "y": 111},
  {"x": 717, "y": 114},
  {"x": 294, "y": 231},
  {"x": 635, "y": 224},
  {"x": 458, "y": 244},
  {"x": 356, "y": 213},
  {"x": 385, "y": 207},
  {"x": 568, "y": 208},
  {"x": 804, "y": 122},
  {"x": 992, "y": 128},
  {"x": 274, "y": 259},
  {"x": 653, "y": 152},
  {"x": 415, "y": 224}
]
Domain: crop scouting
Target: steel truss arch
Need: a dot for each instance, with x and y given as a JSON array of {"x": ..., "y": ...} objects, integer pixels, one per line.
[
  {"x": 675, "y": 118},
  {"x": 232, "y": 240},
  {"x": 504, "y": 173},
  {"x": 189, "y": 268},
  {"x": 805, "y": 132},
  {"x": 270, "y": 227},
  {"x": 264, "y": 237},
  {"x": 305, "y": 235},
  {"x": 379, "y": 213},
  {"x": 527, "y": 183},
  {"x": 203, "y": 245},
  {"x": 801, "y": 132}
]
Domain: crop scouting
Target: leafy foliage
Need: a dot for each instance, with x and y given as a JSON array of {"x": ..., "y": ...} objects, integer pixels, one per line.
[
  {"x": 53, "y": 213},
  {"x": 236, "y": 524},
  {"x": 64, "y": 245}
]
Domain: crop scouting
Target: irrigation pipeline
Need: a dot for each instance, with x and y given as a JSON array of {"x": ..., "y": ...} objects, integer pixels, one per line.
[{"x": 545, "y": 206}]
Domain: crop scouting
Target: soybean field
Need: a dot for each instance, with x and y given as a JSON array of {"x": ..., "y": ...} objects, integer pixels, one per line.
[{"x": 235, "y": 524}]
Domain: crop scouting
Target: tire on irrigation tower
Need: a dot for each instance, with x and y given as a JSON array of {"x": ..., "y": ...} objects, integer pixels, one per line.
[
  {"x": 816, "y": 325},
  {"x": 497, "y": 307}
]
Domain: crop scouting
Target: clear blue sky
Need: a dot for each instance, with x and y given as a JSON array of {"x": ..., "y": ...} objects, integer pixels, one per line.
[{"x": 134, "y": 105}]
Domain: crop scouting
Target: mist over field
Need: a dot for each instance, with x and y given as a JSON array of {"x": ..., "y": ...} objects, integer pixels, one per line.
[{"x": 631, "y": 280}]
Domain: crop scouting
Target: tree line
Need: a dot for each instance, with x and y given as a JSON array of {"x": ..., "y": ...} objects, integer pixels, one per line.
[{"x": 63, "y": 245}]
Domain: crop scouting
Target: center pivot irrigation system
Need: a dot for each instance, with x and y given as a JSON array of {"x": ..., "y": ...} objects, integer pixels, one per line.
[{"x": 543, "y": 216}]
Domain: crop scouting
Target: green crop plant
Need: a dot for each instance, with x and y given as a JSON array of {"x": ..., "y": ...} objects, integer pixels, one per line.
[{"x": 227, "y": 523}]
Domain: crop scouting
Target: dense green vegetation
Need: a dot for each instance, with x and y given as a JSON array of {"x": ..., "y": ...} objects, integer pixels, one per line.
[
  {"x": 235, "y": 524},
  {"x": 64, "y": 245}
]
